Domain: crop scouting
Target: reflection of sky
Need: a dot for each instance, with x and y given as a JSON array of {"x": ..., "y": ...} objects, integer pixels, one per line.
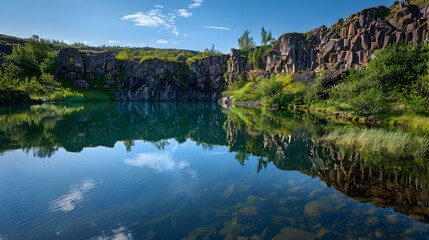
[
  {"x": 120, "y": 233},
  {"x": 160, "y": 162},
  {"x": 67, "y": 202}
]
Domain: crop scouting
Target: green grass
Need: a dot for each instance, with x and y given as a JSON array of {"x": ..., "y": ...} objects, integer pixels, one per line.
[{"x": 397, "y": 144}]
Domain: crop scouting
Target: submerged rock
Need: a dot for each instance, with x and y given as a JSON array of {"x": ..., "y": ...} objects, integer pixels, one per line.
[{"x": 289, "y": 233}]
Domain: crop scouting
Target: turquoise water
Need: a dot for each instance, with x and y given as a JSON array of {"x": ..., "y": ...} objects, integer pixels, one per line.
[{"x": 176, "y": 170}]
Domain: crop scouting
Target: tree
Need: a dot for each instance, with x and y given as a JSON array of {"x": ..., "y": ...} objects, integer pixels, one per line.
[
  {"x": 245, "y": 41},
  {"x": 266, "y": 37},
  {"x": 212, "y": 50},
  {"x": 270, "y": 37},
  {"x": 263, "y": 36}
]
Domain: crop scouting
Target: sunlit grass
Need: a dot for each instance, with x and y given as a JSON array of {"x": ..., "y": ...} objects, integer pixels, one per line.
[{"x": 380, "y": 141}]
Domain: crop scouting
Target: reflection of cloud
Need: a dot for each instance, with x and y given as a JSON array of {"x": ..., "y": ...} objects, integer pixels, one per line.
[
  {"x": 67, "y": 202},
  {"x": 216, "y": 153},
  {"x": 192, "y": 173},
  {"x": 121, "y": 233},
  {"x": 157, "y": 161}
]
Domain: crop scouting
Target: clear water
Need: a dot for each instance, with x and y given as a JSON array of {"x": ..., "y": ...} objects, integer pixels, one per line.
[{"x": 176, "y": 170}]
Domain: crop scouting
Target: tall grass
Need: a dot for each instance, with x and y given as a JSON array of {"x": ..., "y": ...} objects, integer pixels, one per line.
[{"x": 380, "y": 141}]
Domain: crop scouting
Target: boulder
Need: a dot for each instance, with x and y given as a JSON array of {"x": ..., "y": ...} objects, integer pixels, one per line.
[{"x": 80, "y": 83}]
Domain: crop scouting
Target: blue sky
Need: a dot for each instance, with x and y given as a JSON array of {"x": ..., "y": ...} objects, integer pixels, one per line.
[{"x": 184, "y": 24}]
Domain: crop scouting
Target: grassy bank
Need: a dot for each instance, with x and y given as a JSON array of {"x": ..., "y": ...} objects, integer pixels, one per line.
[{"x": 383, "y": 142}]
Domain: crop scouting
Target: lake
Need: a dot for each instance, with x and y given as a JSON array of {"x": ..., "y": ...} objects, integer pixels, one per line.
[{"x": 197, "y": 171}]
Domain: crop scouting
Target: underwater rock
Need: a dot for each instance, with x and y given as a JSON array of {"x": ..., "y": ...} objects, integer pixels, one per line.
[
  {"x": 227, "y": 193},
  {"x": 289, "y": 233}
]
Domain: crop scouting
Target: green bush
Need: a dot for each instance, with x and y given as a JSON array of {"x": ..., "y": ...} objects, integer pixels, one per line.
[
  {"x": 361, "y": 94},
  {"x": 316, "y": 92}
]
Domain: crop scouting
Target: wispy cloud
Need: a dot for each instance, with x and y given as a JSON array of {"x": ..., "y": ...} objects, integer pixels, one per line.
[
  {"x": 162, "y": 41},
  {"x": 217, "y": 27},
  {"x": 184, "y": 13},
  {"x": 113, "y": 41},
  {"x": 196, "y": 4},
  {"x": 156, "y": 17}
]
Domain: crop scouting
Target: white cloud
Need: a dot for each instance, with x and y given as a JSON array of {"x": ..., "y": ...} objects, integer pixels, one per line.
[
  {"x": 162, "y": 41},
  {"x": 184, "y": 13},
  {"x": 196, "y": 4},
  {"x": 185, "y": 35},
  {"x": 156, "y": 17},
  {"x": 67, "y": 202},
  {"x": 175, "y": 31},
  {"x": 152, "y": 18},
  {"x": 86, "y": 42},
  {"x": 113, "y": 41},
  {"x": 217, "y": 27}
]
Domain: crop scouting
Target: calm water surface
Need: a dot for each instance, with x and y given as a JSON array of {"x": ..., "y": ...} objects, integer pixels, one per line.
[{"x": 194, "y": 171}]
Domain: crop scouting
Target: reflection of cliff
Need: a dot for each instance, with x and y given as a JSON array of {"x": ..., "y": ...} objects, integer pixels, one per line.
[
  {"x": 401, "y": 185},
  {"x": 105, "y": 124},
  {"x": 32, "y": 127}
]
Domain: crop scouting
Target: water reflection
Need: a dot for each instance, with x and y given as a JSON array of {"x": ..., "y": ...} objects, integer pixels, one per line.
[
  {"x": 151, "y": 191},
  {"x": 121, "y": 233},
  {"x": 68, "y": 202}
]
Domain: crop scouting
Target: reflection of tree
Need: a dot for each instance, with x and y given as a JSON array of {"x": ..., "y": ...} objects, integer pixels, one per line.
[
  {"x": 103, "y": 124},
  {"x": 160, "y": 145},
  {"x": 129, "y": 144}
]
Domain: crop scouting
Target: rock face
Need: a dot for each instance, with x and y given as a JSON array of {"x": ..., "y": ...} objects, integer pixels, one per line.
[
  {"x": 151, "y": 79},
  {"x": 348, "y": 43},
  {"x": 237, "y": 66}
]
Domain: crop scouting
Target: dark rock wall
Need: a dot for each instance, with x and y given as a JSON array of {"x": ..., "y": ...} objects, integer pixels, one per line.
[
  {"x": 349, "y": 43},
  {"x": 151, "y": 79}
]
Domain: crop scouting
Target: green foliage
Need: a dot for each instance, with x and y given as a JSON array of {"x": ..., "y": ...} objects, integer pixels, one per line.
[
  {"x": 245, "y": 41},
  {"x": 361, "y": 94},
  {"x": 397, "y": 67},
  {"x": 161, "y": 54},
  {"x": 256, "y": 57},
  {"x": 266, "y": 37},
  {"x": 278, "y": 91},
  {"x": 212, "y": 50},
  {"x": 316, "y": 91},
  {"x": 29, "y": 70},
  {"x": 398, "y": 76},
  {"x": 125, "y": 54}
]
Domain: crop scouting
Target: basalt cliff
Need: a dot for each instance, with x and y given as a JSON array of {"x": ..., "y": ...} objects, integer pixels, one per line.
[
  {"x": 346, "y": 44},
  {"x": 150, "y": 79}
]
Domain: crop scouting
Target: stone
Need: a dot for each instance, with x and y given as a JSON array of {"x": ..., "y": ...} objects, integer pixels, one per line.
[
  {"x": 293, "y": 233},
  {"x": 81, "y": 83}
]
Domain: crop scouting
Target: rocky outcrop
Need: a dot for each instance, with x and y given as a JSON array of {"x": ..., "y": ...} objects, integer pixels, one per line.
[
  {"x": 151, "y": 79},
  {"x": 237, "y": 66},
  {"x": 348, "y": 43}
]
